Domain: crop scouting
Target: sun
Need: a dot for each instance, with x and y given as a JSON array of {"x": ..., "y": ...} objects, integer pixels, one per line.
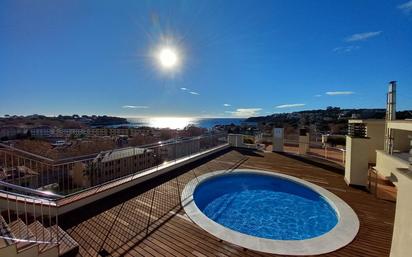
[{"x": 168, "y": 58}]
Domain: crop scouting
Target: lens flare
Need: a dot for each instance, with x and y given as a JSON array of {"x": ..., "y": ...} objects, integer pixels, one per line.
[{"x": 168, "y": 58}]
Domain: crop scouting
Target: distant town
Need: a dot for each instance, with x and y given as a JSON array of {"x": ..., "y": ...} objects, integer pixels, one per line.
[
  {"x": 70, "y": 136},
  {"x": 332, "y": 120}
]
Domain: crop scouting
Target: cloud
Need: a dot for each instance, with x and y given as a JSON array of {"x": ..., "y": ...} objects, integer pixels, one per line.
[
  {"x": 340, "y": 93},
  {"x": 188, "y": 90},
  {"x": 227, "y": 105},
  {"x": 290, "y": 105},
  {"x": 406, "y": 7},
  {"x": 135, "y": 107},
  {"x": 362, "y": 36},
  {"x": 345, "y": 49},
  {"x": 318, "y": 95},
  {"x": 245, "y": 112}
]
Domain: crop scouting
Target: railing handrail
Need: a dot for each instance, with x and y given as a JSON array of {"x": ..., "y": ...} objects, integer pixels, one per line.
[
  {"x": 42, "y": 194},
  {"x": 13, "y": 200},
  {"x": 63, "y": 161},
  {"x": 152, "y": 145},
  {"x": 25, "y": 152},
  {"x": 28, "y": 240},
  {"x": 313, "y": 143},
  {"x": 27, "y": 198}
]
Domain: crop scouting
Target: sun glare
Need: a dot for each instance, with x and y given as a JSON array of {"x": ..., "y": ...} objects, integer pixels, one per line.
[
  {"x": 168, "y": 58},
  {"x": 170, "y": 122}
]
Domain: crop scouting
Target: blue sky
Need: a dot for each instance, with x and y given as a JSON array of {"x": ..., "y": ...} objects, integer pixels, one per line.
[{"x": 236, "y": 58}]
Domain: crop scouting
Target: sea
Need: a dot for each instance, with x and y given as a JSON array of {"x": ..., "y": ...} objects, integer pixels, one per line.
[{"x": 179, "y": 122}]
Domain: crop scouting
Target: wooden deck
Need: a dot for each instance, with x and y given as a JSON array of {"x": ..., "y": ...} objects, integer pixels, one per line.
[{"x": 148, "y": 220}]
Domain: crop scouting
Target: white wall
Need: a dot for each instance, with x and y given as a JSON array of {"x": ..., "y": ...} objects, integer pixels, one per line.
[
  {"x": 356, "y": 165},
  {"x": 278, "y": 139},
  {"x": 402, "y": 231},
  {"x": 236, "y": 140},
  {"x": 401, "y": 140},
  {"x": 376, "y": 134},
  {"x": 387, "y": 164},
  {"x": 304, "y": 144}
]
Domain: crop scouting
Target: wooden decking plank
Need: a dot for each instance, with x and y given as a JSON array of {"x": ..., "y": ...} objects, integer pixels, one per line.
[
  {"x": 182, "y": 237},
  {"x": 165, "y": 246},
  {"x": 208, "y": 239}
]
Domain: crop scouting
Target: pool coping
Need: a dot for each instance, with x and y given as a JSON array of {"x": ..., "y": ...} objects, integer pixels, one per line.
[{"x": 342, "y": 234}]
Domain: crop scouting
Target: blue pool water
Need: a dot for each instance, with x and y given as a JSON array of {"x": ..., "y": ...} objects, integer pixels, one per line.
[{"x": 265, "y": 206}]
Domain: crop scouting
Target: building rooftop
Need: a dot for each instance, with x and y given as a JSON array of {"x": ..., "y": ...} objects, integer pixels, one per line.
[
  {"x": 121, "y": 153},
  {"x": 367, "y": 121},
  {"x": 148, "y": 219}
]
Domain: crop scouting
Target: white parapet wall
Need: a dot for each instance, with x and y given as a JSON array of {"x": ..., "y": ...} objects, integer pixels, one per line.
[
  {"x": 238, "y": 140},
  {"x": 402, "y": 230},
  {"x": 387, "y": 164},
  {"x": 356, "y": 166},
  {"x": 375, "y": 131}
]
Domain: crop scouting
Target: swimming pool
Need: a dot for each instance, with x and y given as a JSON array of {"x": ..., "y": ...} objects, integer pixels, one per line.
[
  {"x": 270, "y": 212},
  {"x": 265, "y": 206}
]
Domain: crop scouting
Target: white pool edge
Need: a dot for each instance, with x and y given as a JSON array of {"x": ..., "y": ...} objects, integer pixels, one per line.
[{"x": 342, "y": 234}]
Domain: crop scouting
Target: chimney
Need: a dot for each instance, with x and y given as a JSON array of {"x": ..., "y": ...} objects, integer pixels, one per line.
[
  {"x": 390, "y": 115},
  {"x": 391, "y": 102}
]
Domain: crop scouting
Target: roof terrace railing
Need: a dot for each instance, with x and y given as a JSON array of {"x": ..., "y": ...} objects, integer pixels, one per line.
[
  {"x": 28, "y": 217},
  {"x": 317, "y": 149},
  {"x": 65, "y": 177},
  {"x": 28, "y": 191}
]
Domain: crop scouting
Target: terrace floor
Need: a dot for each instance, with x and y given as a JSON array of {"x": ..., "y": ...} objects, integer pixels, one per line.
[{"x": 148, "y": 220}]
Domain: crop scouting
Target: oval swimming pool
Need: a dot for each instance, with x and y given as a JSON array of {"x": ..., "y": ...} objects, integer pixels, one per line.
[
  {"x": 265, "y": 206},
  {"x": 269, "y": 212}
]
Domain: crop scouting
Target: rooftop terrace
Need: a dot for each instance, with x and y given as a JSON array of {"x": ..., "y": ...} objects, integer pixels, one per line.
[{"x": 148, "y": 219}]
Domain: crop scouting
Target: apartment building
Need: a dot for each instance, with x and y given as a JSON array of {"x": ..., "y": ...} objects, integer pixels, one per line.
[
  {"x": 111, "y": 165},
  {"x": 97, "y": 132},
  {"x": 118, "y": 131},
  {"x": 73, "y": 131},
  {"x": 11, "y": 131},
  {"x": 143, "y": 131},
  {"x": 46, "y": 131},
  {"x": 43, "y": 131}
]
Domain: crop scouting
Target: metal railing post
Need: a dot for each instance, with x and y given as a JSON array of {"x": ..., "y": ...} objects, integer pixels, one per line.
[{"x": 8, "y": 207}]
